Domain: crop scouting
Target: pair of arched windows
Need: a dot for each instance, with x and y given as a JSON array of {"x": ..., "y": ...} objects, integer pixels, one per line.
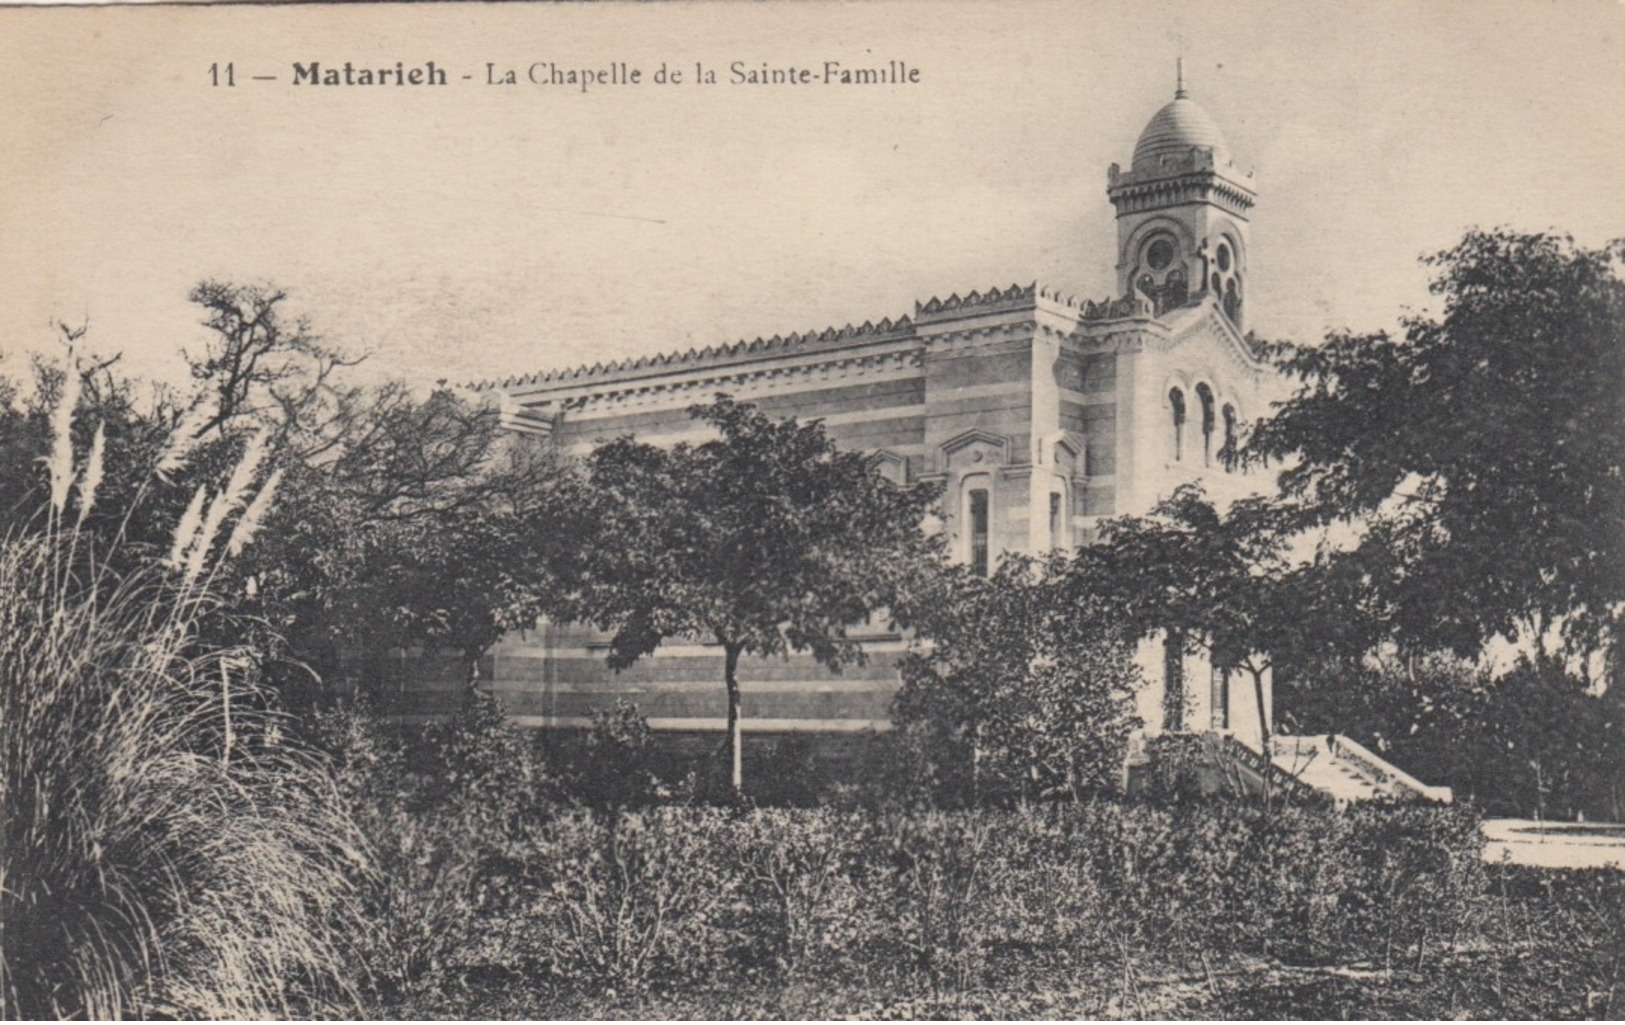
[
  {"x": 1225, "y": 282},
  {"x": 1209, "y": 422}
]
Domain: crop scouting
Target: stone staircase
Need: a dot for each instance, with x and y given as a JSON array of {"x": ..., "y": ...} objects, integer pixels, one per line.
[
  {"x": 1312, "y": 770},
  {"x": 1345, "y": 770}
]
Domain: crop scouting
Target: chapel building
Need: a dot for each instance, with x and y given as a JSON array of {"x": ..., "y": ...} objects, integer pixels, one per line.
[{"x": 1040, "y": 414}]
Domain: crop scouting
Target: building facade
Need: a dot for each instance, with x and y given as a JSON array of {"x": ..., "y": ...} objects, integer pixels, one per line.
[{"x": 1039, "y": 413}]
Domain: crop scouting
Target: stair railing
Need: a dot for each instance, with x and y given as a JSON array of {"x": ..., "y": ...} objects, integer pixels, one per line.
[
  {"x": 1268, "y": 772},
  {"x": 1384, "y": 775}
]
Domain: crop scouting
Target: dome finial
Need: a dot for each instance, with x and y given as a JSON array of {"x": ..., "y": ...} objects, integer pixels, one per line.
[{"x": 1179, "y": 78}]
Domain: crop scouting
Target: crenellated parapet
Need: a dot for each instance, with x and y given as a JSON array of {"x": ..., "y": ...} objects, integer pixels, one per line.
[
  {"x": 776, "y": 347},
  {"x": 614, "y": 398},
  {"x": 833, "y": 351},
  {"x": 994, "y": 300}
]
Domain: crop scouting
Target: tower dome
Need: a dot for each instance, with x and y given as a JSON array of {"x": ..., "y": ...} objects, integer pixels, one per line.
[
  {"x": 1182, "y": 213},
  {"x": 1174, "y": 130}
]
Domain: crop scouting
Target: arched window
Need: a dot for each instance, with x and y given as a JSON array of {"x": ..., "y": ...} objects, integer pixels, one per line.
[
  {"x": 1232, "y": 302},
  {"x": 1227, "y": 454},
  {"x": 1176, "y": 402},
  {"x": 1057, "y": 513},
  {"x": 1204, "y": 395}
]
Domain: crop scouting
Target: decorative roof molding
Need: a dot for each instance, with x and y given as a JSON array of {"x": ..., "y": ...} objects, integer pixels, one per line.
[
  {"x": 735, "y": 362},
  {"x": 1207, "y": 315},
  {"x": 757, "y": 348},
  {"x": 614, "y": 397},
  {"x": 993, "y": 300}
]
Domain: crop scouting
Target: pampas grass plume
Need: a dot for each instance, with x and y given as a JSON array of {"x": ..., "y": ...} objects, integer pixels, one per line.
[
  {"x": 183, "y": 440},
  {"x": 253, "y": 516},
  {"x": 91, "y": 479},
  {"x": 237, "y": 485},
  {"x": 61, "y": 460},
  {"x": 186, "y": 529}
]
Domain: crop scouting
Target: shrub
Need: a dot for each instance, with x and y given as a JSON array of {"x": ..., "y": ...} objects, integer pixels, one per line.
[
  {"x": 935, "y": 894},
  {"x": 799, "y": 872},
  {"x": 619, "y": 763},
  {"x": 1023, "y": 695},
  {"x": 618, "y": 901},
  {"x": 445, "y": 809},
  {"x": 1575, "y": 919},
  {"x": 477, "y": 759}
]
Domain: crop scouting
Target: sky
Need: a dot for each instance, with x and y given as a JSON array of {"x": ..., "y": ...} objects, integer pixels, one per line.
[{"x": 474, "y": 231}]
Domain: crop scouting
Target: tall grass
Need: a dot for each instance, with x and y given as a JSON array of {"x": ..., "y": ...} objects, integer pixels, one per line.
[{"x": 165, "y": 848}]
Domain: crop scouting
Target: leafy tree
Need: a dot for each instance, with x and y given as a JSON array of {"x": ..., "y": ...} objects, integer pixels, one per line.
[
  {"x": 1534, "y": 741},
  {"x": 1481, "y": 453},
  {"x": 1223, "y": 581},
  {"x": 767, "y": 539},
  {"x": 429, "y": 525},
  {"x": 1022, "y": 694},
  {"x": 399, "y": 519}
]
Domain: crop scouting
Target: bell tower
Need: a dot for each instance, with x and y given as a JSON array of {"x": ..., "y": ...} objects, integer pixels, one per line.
[{"x": 1182, "y": 213}]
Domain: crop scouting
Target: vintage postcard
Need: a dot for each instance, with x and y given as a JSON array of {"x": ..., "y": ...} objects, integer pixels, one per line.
[{"x": 1048, "y": 509}]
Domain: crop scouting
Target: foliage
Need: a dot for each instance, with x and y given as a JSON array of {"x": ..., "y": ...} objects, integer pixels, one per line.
[
  {"x": 428, "y": 525},
  {"x": 622, "y": 765},
  {"x": 623, "y": 899},
  {"x": 1022, "y": 695},
  {"x": 1481, "y": 452},
  {"x": 817, "y": 912},
  {"x": 935, "y": 894},
  {"x": 168, "y": 848},
  {"x": 1576, "y": 917},
  {"x": 800, "y": 871},
  {"x": 767, "y": 539},
  {"x": 1534, "y": 742},
  {"x": 1219, "y": 579},
  {"x": 443, "y": 807},
  {"x": 401, "y": 520}
]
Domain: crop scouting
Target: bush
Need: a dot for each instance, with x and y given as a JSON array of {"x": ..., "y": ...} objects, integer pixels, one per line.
[
  {"x": 689, "y": 911},
  {"x": 800, "y": 873},
  {"x": 618, "y": 763},
  {"x": 1023, "y": 695},
  {"x": 1576, "y": 919},
  {"x": 622, "y": 900},
  {"x": 444, "y": 809}
]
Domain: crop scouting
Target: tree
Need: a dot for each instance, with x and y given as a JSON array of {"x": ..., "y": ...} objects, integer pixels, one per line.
[
  {"x": 1022, "y": 694},
  {"x": 260, "y": 367},
  {"x": 1223, "y": 581},
  {"x": 1480, "y": 455},
  {"x": 428, "y": 525},
  {"x": 767, "y": 539},
  {"x": 399, "y": 519}
]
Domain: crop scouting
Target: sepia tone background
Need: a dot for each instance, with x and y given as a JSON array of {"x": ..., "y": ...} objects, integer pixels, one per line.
[{"x": 471, "y": 232}]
